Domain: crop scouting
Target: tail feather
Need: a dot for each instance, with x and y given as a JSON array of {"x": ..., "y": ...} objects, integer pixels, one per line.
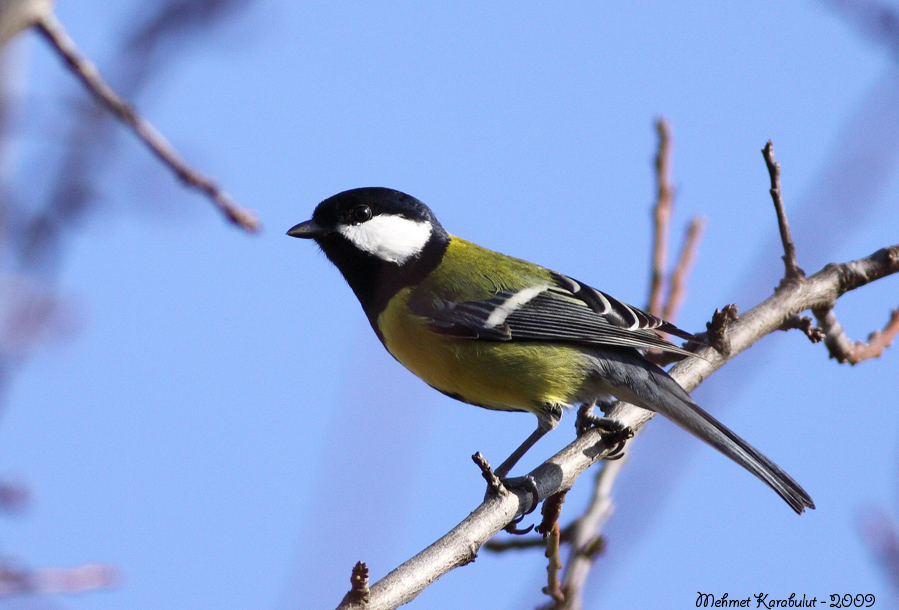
[{"x": 668, "y": 398}]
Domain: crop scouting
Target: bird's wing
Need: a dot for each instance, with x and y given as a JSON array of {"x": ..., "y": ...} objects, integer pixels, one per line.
[{"x": 564, "y": 311}]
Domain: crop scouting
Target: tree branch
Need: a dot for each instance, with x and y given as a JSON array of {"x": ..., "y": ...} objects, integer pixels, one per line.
[
  {"x": 662, "y": 211},
  {"x": 677, "y": 288},
  {"x": 87, "y": 72},
  {"x": 19, "y": 15},
  {"x": 359, "y": 594},
  {"x": 579, "y": 563},
  {"x": 520, "y": 543},
  {"x": 792, "y": 271},
  {"x": 553, "y": 586},
  {"x": 843, "y": 350},
  {"x": 18, "y": 581},
  {"x": 804, "y": 323},
  {"x": 662, "y": 218}
]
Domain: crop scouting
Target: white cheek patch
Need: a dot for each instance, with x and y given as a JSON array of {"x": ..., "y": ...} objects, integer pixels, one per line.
[{"x": 389, "y": 237}]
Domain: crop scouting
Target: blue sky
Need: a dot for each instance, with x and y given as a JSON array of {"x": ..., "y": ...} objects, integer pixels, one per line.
[{"x": 222, "y": 426}]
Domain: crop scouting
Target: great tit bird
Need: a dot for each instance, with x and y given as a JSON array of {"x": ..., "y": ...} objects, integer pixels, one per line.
[{"x": 502, "y": 333}]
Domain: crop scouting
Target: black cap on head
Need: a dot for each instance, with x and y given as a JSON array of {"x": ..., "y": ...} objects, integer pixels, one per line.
[{"x": 341, "y": 207}]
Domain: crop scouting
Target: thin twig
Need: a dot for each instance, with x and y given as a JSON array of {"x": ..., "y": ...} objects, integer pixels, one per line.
[
  {"x": 717, "y": 329},
  {"x": 792, "y": 272},
  {"x": 814, "y": 333},
  {"x": 553, "y": 586},
  {"x": 878, "y": 341},
  {"x": 549, "y": 527},
  {"x": 677, "y": 288},
  {"x": 551, "y": 511},
  {"x": 87, "y": 72},
  {"x": 359, "y": 594},
  {"x": 662, "y": 212},
  {"x": 661, "y": 216},
  {"x": 843, "y": 350},
  {"x": 494, "y": 484}
]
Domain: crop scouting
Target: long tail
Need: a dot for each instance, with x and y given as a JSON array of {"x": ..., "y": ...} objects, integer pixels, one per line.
[{"x": 665, "y": 396}]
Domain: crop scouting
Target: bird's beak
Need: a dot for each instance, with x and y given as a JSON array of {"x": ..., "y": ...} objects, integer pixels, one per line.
[{"x": 307, "y": 230}]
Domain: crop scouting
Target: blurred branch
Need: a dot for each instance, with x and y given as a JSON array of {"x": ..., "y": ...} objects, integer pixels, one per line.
[
  {"x": 878, "y": 531},
  {"x": 661, "y": 215},
  {"x": 584, "y": 534},
  {"x": 517, "y": 543},
  {"x": 667, "y": 308},
  {"x": 14, "y": 496},
  {"x": 19, "y": 15},
  {"x": 34, "y": 231},
  {"x": 677, "y": 289},
  {"x": 16, "y": 581},
  {"x": 876, "y": 20},
  {"x": 87, "y": 72},
  {"x": 32, "y": 240},
  {"x": 559, "y": 473},
  {"x": 154, "y": 42}
]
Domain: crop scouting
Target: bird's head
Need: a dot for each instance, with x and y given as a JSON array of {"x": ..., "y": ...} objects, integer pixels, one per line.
[
  {"x": 375, "y": 222},
  {"x": 380, "y": 240}
]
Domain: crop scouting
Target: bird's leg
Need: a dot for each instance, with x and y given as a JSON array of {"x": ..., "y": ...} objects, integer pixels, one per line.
[
  {"x": 613, "y": 430},
  {"x": 525, "y": 483},
  {"x": 529, "y": 442}
]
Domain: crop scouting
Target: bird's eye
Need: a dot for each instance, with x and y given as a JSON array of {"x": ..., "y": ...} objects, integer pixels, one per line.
[{"x": 361, "y": 213}]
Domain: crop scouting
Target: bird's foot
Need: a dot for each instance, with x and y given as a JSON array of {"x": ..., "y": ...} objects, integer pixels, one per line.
[
  {"x": 529, "y": 485},
  {"x": 512, "y": 527},
  {"x": 496, "y": 484},
  {"x": 613, "y": 431}
]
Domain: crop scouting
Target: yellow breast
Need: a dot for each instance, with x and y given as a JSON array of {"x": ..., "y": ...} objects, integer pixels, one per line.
[{"x": 496, "y": 375}]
